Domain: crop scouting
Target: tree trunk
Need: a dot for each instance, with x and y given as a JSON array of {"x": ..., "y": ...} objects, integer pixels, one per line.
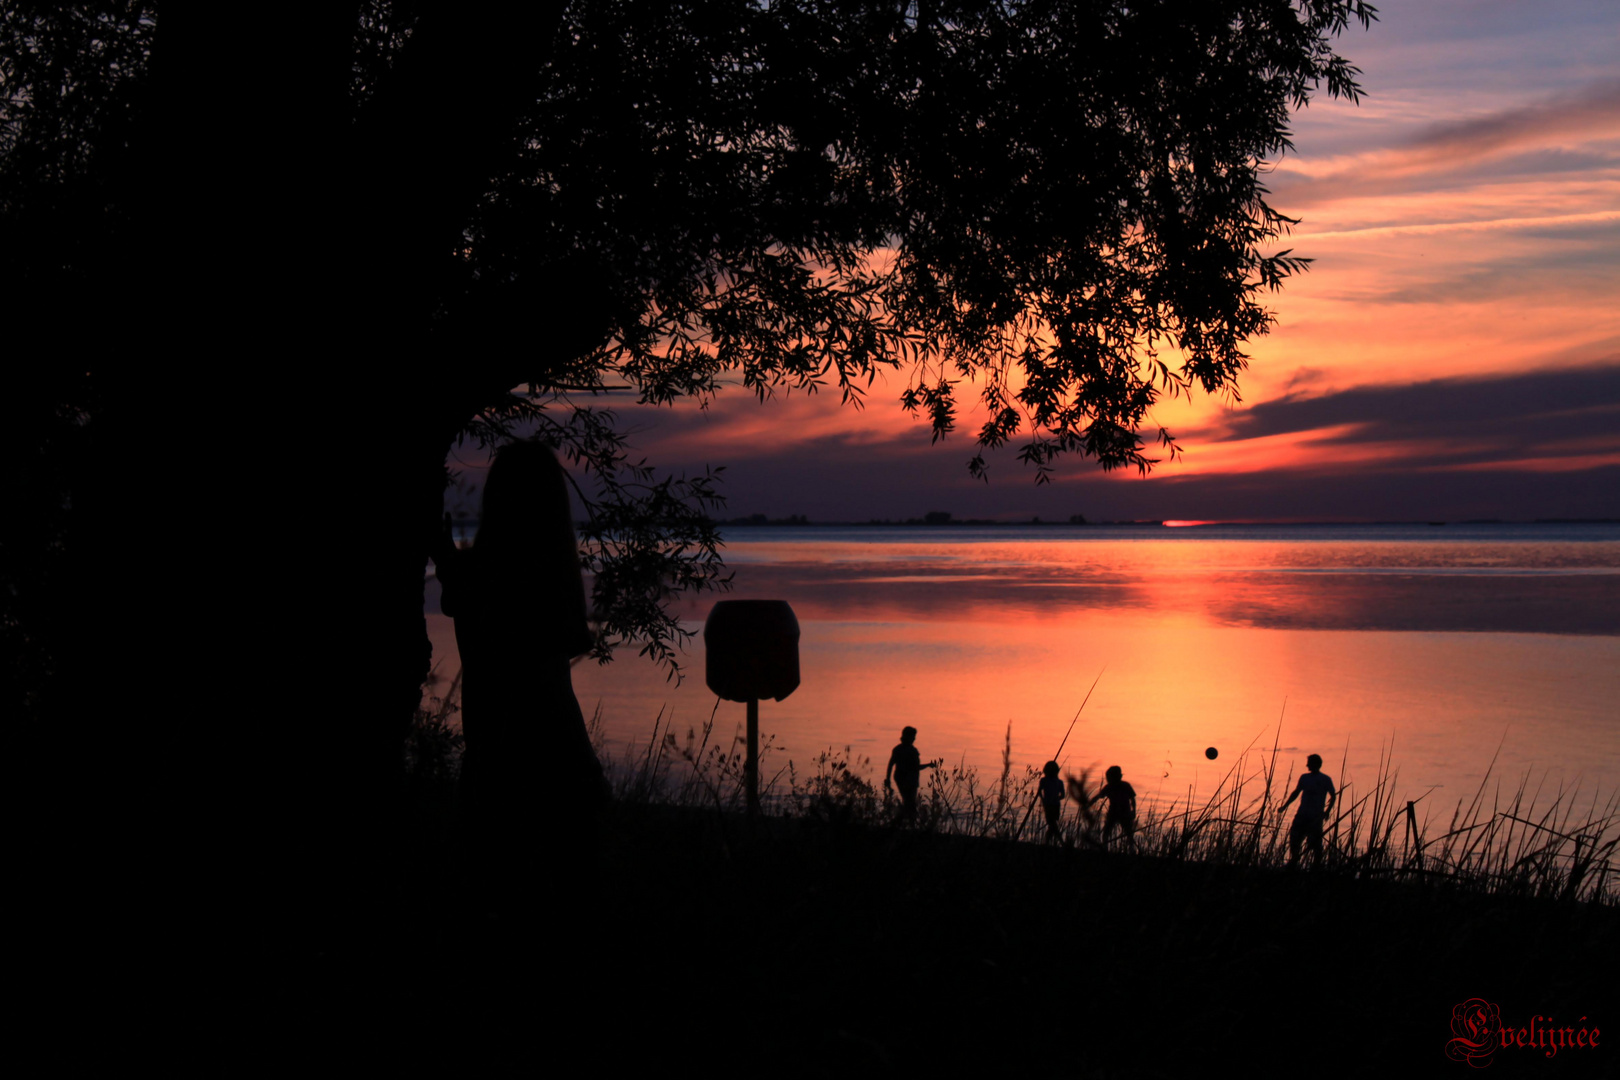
[{"x": 251, "y": 643}]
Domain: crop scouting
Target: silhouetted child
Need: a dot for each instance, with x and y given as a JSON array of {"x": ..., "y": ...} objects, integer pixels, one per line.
[
  {"x": 1316, "y": 797},
  {"x": 1121, "y": 806},
  {"x": 906, "y": 765},
  {"x": 1051, "y": 792}
]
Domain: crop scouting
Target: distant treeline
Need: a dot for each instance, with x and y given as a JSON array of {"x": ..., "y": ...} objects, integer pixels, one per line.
[
  {"x": 933, "y": 517},
  {"x": 942, "y": 517}
]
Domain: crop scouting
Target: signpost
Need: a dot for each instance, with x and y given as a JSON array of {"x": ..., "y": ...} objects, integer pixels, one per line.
[{"x": 751, "y": 651}]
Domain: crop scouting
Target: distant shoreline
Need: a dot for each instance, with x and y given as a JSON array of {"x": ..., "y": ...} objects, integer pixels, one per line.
[
  {"x": 758, "y": 521},
  {"x": 797, "y": 521}
]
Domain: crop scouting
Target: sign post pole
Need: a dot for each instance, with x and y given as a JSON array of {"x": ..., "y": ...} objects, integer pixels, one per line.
[
  {"x": 751, "y": 766},
  {"x": 751, "y": 652}
]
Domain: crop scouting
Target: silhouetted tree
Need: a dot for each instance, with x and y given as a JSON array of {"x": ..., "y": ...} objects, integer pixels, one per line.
[{"x": 264, "y": 266}]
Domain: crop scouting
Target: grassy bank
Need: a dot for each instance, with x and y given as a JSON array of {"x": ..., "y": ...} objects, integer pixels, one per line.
[
  {"x": 693, "y": 939},
  {"x": 821, "y": 940},
  {"x": 844, "y": 945},
  {"x": 1513, "y": 840}
]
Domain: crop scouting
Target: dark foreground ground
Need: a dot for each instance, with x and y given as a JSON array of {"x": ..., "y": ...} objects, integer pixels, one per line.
[{"x": 696, "y": 943}]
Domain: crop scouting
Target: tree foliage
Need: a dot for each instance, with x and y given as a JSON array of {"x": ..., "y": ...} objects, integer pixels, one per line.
[
  {"x": 1058, "y": 203},
  {"x": 1052, "y": 210}
]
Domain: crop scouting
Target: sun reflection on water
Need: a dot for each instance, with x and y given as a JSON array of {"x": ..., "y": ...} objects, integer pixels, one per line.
[{"x": 1435, "y": 653}]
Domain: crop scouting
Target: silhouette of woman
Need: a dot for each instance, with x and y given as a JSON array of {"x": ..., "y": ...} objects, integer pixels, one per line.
[{"x": 518, "y": 601}]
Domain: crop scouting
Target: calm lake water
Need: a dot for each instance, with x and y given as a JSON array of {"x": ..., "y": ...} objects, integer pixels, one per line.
[{"x": 1437, "y": 648}]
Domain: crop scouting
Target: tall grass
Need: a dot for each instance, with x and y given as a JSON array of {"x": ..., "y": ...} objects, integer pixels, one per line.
[
  {"x": 431, "y": 761},
  {"x": 1513, "y": 840},
  {"x": 1520, "y": 841}
]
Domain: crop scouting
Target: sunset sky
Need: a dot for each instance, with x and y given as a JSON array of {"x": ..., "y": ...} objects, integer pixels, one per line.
[{"x": 1454, "y": 351}]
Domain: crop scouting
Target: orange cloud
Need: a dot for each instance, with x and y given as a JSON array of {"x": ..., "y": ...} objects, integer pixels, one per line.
[{"x": 1590, "y": 114}]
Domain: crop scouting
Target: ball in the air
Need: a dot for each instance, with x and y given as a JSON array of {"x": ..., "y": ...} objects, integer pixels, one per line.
[{"x": 1212, "y": 753}]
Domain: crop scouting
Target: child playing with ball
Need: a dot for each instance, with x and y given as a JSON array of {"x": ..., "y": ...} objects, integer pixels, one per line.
[
  {"x": 1051, "y": 792},
  {"x": 906, "y": 766},
  {"x": 1121, "y": 807}
]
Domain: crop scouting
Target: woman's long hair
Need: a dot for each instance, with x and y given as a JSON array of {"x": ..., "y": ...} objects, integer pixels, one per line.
[{"x": 526, "y": 539}]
